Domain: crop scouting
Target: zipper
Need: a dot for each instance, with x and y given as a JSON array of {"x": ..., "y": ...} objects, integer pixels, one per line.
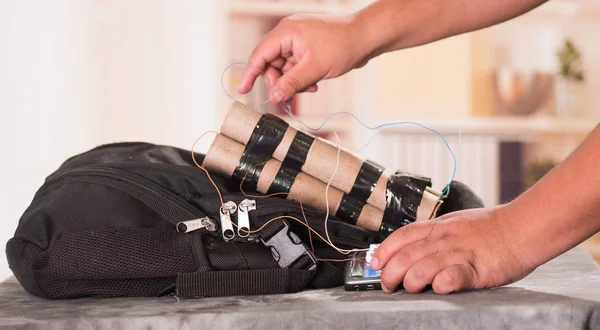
[
  {"x": 139, "y": 182},
  {"x": 196, "y": 224},
  {"x": 198, "y": 220}
]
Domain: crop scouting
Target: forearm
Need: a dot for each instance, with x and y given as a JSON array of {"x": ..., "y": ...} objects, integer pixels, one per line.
[
  {"x": 562, "y": 209},
  {"x": 389, "y": 25}
]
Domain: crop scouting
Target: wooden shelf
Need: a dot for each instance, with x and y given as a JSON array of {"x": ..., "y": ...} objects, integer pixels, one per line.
[
  {"x": 286, "y": 8},
  {"x": 291, "y": 7},
  {"x": 569, "y": 7},
  {"x": 510, "y": 126},
  {"x": 502, "y": 126}
]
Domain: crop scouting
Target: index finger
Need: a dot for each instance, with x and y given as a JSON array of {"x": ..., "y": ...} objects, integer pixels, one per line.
[
  {"x": 402, "y": 237},
  {"x": 267, "y": 51}
]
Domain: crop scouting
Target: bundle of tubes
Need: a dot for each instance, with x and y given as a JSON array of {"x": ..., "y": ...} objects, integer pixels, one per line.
[{"x": 263, "y": 153}]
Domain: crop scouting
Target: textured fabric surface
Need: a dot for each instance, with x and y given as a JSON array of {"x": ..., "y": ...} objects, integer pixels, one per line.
[
  {"x": 563, "y": 294},
  {"x": 104, "y": 225},
  {"x": 238, "y": 282}
]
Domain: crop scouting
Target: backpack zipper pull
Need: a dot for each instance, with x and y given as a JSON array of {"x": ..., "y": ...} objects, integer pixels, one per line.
[
  {"x": 225, "y": 214},
  {"x": 243, "y": 218},
  {"x": 196, "y": 224}
]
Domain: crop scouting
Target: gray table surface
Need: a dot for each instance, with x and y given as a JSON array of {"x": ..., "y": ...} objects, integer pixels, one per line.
[{"x": 563, "y": 294}]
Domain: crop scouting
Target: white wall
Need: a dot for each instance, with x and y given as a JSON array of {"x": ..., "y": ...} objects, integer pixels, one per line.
[
  {"x": 78, "y": 73},
  {"x": 43, "y": 98},
  {"x": 153, "y": 72}
]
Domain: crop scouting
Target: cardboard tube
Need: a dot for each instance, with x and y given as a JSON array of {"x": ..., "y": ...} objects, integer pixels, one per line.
[
  {"x": 321, "y": 159},
  {"x": 224, "y": 156},
  {"x": 429, "y": 205}
]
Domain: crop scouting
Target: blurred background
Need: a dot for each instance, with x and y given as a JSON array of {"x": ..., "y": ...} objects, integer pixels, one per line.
[{"x": 512, "y": 100}]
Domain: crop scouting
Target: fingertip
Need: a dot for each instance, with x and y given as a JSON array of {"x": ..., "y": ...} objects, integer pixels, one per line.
[
  {"x": 390, "y": 281},
  {"x": 410, "y": 289},
  {"x": 277, "y": 97},
  {"x": 452, "y": 279},
  {"x": 271, "y": 77},
  {"x": 385, "y": 288},
  {"x": 423, "y": 272},
  {"x": 312, "y": 89},
  {"x": 441, "y": 285},
  {"x": 382, "y": 256},
  {"x": 242, "y": 89},
  {"x": 375, "y": 263},
  {"x": 412, "y": 286},
  {"x": 246, "y": 84}
]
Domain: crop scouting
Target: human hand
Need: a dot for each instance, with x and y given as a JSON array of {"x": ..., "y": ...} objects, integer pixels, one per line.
[
  {"x": 470, "y": 249},
  {"x": 303, "y": 50}
]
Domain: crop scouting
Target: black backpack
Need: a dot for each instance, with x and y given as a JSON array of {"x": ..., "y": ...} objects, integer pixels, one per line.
[{"x": 137, "y": 219}]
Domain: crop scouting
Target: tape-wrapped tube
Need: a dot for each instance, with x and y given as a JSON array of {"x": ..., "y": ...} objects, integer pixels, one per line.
[
  {"x": 240, "y": 123},
  {"x": 225, "y": 157},
  {"x": 402, "y": 198},
  {"x": 266, "y": 137},
  {"x": 404, "y": 194},
  {"x": 292, "y": 164}
]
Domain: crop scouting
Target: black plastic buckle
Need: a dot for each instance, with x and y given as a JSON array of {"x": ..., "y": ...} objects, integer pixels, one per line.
[{"x": 288, "y": 249}]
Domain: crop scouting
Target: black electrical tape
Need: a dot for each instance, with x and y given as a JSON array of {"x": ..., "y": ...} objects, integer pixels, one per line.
[
  {"x": 404, "y": 193},
  {"x": 349, "y": 209},
  {"x": 352, "y": 203},
  {"x": 365, "y": 182},
  {"x": 265, "y": 138},
  {"x": 292, "y": 163}
]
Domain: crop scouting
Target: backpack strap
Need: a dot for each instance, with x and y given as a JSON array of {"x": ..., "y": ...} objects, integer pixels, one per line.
[
  {"x": 326, "y": 276},
  {"x": 297, "y": 263},
  {"x": 242, "y": 282}
]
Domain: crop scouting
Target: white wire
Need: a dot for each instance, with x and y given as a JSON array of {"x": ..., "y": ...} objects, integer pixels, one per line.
[
  {"x": 337, "y": 165},
  {"x": 458, "y": 148}
]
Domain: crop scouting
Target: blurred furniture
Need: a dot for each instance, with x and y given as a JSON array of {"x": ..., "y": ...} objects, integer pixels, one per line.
[
  {"x": 562, "y": 294},
  {"x": 521, "y": 93}
]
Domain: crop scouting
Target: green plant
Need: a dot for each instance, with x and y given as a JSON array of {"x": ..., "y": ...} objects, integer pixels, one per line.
[
  {"x": 538, "y": 170},
  {"x": 570, "y": 62}
]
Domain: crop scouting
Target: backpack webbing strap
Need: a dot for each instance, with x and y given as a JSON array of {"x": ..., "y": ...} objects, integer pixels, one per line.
[
  {"x": 326, "y": 276},
  {"x": 242, "y": 282}
]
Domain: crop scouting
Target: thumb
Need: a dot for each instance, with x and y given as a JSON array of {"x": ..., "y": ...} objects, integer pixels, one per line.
[{"x": 300, "y": 77}]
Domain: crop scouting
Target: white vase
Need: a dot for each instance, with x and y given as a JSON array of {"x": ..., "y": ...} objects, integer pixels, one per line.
[{"x": 566, "y": 98}]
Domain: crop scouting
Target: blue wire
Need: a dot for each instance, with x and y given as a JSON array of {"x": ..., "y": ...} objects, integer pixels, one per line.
[
  {"x": 446, "y": 189},
  {"x": 386, "y": 125},
  {"x": 232, "y": 65}
]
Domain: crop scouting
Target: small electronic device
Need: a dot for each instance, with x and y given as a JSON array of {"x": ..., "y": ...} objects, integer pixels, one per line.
[{"x": 359, "y": 276}]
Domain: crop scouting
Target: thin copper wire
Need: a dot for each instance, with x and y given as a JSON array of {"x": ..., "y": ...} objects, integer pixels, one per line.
[
  {"x": 268, "y": 222},
  {"x": 205, "y": 170},
  {"x": 257, "y": 196},
  {"x": 339, "y": 260},
  {"x": 286, "y": 217},
  {"x": 274, "y": 194},
  {"x": 309, "y": 233}
]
